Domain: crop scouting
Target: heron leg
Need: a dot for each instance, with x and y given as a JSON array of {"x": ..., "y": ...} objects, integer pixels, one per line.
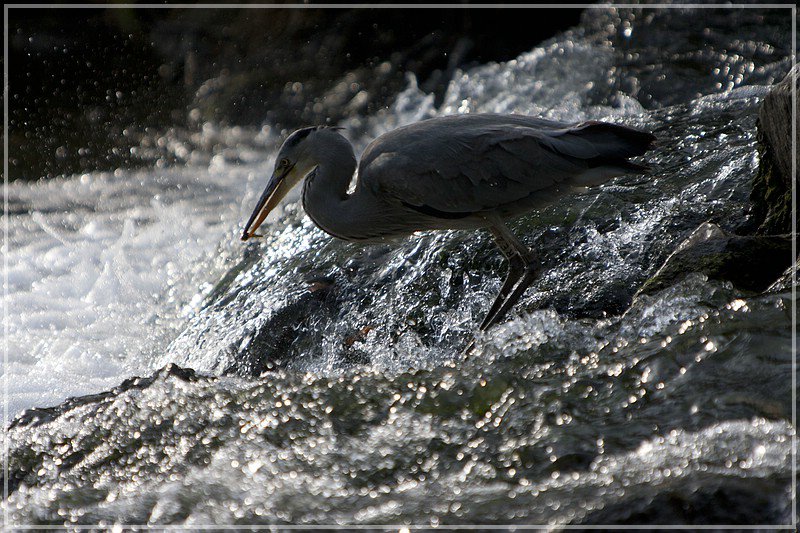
[
  {"x": 530, "y": 275},
  {"x": 521, "y": 273},
  {"x": 516, "y": 269}
]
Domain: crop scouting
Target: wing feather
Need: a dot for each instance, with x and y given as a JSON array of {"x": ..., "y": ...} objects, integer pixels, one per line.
[{"x": 474, "y": 163}]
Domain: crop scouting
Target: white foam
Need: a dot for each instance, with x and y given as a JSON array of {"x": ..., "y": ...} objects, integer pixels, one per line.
[{"x": 101, "y": 267}]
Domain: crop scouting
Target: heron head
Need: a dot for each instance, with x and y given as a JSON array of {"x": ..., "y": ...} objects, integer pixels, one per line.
[{"x": 294, "y": 161}]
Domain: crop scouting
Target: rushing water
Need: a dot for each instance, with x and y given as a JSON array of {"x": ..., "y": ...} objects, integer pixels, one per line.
[{"x": 327, "y": 384}]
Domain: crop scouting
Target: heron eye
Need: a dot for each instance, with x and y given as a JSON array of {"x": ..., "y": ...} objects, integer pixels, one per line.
[{"x": 284, "y": 162}]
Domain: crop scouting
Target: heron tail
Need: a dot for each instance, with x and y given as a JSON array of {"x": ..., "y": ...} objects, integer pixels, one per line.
[
  {"x": 603, "y": 148},
  {"x": 624, "y": 140}
]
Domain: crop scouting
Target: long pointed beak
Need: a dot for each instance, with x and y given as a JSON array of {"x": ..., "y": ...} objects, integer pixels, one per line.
[{"x": 266, "y": 203}]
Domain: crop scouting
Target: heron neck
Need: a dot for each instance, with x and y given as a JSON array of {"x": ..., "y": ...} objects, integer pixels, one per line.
[{"x": 326, "y": 201}]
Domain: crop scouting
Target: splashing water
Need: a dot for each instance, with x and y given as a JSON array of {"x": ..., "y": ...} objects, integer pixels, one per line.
[{"x": 593, "y": 404}]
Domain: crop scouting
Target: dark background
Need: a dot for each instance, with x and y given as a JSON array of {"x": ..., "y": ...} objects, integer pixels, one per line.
[{"x": 89, "y": 88}]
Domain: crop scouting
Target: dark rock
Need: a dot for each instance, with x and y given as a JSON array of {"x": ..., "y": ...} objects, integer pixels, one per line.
[
  {"x": 294, "y": 67},
  {"x": 733, "y": 502},
  {"x": 751, "y": 262},
  {"x": 267, "y": 350},
  {"x": 784, "y": 283},
  {"x": 772, "y": 188},
  {"x": 43, "y": 415}
]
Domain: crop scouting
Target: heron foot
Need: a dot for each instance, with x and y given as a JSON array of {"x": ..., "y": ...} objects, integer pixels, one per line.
[
  {"x": 522, "y": 271},
  {"x": 508, "y": 298},
  {"x": 519, "y": 278},
  {"x": 516, "y": 269},
  {"x": 470, "y": 348}
]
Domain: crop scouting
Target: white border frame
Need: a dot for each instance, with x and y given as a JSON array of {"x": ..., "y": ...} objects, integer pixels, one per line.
[{"x": 401, "y": 527}]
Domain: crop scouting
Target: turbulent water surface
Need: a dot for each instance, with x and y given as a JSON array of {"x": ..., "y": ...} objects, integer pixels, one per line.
[{"x": 320, "y": 382}]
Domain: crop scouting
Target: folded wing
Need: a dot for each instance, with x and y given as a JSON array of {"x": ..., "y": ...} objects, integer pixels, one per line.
[{"x": 473, "y": 163}]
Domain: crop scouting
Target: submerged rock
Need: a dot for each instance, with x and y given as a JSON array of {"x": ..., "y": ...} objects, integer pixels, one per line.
[
  {"x": 737, "y": 502},
  {"x": 42, "y": 415},
  {"x": 266, "y": 348},
  {"x": 750, "y": 262},
  {"x": 772, "y": 187},
  {"x": 634, "y": 432}
]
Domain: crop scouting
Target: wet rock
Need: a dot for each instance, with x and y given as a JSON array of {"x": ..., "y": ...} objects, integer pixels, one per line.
[
  {"x": 68, "y": 452},
  {"x": 755, "y": 502},
  {"x": 750, "y": 262},
  {"x": 43, "y": 415},
  {"x": 99, "y": 433},
  {"x": 266, "y": 350},
  {"x": 772, "y": 188}
]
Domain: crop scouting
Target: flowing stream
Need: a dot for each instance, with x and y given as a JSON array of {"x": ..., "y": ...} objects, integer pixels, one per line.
[{"x": 320, "y": 382}]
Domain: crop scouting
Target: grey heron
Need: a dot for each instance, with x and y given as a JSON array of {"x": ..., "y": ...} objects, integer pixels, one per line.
[{"x": 472, "y": 171}]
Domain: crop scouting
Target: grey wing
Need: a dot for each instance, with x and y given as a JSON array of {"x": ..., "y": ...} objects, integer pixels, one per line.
[{"x": 460, "y": 166}]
